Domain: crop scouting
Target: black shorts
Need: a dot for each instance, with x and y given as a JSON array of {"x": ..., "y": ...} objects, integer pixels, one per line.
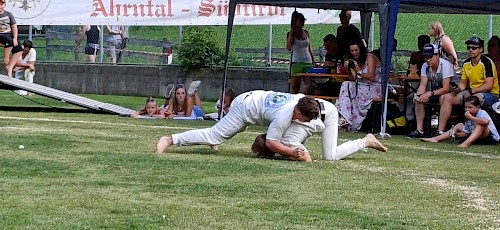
[
  {"x": 434, "y": 99},
  {"x": 7, "y": 40},
  {"x": 486, "y": 141},
  {"x": 91, "y": 49}
]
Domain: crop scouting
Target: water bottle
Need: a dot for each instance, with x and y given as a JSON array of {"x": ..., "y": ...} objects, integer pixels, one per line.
[{"x": 339, "y": 67}]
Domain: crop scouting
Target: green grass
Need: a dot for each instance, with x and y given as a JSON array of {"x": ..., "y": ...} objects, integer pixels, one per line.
[{"x": 84, "y": 170}]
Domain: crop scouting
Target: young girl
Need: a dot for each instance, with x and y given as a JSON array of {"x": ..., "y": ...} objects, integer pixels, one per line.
[
  {"x": 150, "y": 110},
  {"x": 478, "y": 128},
  {"x": 185, "y": 104}
]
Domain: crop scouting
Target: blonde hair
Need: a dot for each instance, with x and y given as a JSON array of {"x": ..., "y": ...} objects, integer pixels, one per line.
[{"x": 438, "y": 27}]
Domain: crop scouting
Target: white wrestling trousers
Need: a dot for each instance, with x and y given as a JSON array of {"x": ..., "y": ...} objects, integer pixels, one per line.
[
  {"x": 230, "y": 125},
  {"x": 28, "y": 75},
  {"x": 298, "y": 132}
]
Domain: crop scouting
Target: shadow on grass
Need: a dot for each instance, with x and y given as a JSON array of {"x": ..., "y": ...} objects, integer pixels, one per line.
[{"x": 50, "y": 110}]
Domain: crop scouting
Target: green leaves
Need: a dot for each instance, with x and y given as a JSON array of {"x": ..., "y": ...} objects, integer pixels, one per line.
[{"x": 199, "y": 48}]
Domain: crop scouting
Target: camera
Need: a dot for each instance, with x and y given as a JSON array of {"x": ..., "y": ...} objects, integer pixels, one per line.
[{"x": 351, "y": 63}]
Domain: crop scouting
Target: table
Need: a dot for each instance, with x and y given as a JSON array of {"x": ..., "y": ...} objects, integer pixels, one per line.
[{"x": 328, "y": 76}]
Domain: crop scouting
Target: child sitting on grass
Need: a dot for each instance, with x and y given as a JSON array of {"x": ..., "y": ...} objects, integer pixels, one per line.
[{"x": 478, "y": 128}]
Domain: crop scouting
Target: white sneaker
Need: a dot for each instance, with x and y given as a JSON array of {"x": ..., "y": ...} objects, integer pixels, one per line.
[
  {"x": 192, "y": 87},
  {"x": 169, "y": 91}
]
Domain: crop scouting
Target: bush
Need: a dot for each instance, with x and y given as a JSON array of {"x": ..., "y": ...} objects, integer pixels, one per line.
[{"x": 199, "y": 48}]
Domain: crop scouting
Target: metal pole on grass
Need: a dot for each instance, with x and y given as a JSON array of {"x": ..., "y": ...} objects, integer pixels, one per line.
[
  {"x": 270, "y": 45},
  {"x": 372, "y": 34},
  {"x": 101, "y": 45},
  {"x": 30, "y": 33}
]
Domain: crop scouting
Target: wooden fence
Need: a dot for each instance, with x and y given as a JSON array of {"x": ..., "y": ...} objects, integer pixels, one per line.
[{"x": 162, "y": 57}]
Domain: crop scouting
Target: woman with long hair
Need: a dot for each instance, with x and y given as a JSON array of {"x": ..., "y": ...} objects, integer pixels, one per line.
[
  {"x": 444, "y": 43},
  {"x": 185, "y": 103},
  {"x": 356, "y": 95},
  {"x": 298, "y": 42}
]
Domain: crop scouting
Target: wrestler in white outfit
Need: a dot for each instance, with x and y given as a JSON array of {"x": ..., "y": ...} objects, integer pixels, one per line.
[
  {"x": 255, "y": 107},
  {"x": 298, "y": 132}
]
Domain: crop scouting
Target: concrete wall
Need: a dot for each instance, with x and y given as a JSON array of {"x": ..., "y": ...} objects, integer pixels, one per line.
[{"x": 141, "y": 80}]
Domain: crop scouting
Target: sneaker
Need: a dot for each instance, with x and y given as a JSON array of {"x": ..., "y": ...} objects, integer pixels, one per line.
[
  {"x": 416, "y": 134},
  {"x": 437, "y": 133},
  {"x": 192, "y": 87},
  {"x": 169, "y": 91}
]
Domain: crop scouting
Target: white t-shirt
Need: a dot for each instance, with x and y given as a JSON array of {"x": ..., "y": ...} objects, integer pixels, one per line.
[
  {"x": 435, "y": 80},
  {"x": 274, "y": 109},
  {"x": 470, "y": 125},
  {"x": 30, "y": 57}
]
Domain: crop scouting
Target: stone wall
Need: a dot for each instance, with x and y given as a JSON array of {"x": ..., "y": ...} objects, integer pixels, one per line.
[{"x": 143, "y": 80}]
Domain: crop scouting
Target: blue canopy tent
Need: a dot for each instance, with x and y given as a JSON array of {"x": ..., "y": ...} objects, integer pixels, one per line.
[{"x": 388, "y": 11}]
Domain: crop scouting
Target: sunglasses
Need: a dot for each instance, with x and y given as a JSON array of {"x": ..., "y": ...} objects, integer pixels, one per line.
[
  {"x": 179, "y": 86},
  {"x": 150, "y": 99},
  {"x": 473, "y": 47}
]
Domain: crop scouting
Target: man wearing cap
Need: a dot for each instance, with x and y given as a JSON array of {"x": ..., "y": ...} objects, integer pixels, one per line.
[
  {"x": 435, "y": 79},
  {"x": 479, "y": 78}
]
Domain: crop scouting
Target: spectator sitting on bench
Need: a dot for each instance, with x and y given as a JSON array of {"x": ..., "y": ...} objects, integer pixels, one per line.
[
  {"x": 435, "y": 79},
  {"x": 479, "y": 78},
  {"x": 478, "y": 128},
  {"x": 332, "y": 57},
  {"x": 356, "y": 95}
]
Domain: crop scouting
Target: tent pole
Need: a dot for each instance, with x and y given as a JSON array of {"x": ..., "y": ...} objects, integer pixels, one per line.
[
  {"x": 490, "y": 26},
  {"x": 270, "y": 45},
  {"x": 230, "y": 21}
]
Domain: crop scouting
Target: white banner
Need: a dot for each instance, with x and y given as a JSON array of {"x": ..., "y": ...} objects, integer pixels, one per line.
[{"x": 157, "y": 12}]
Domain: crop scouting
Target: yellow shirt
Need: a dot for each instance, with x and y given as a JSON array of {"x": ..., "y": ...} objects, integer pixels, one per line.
[{"x": 476, "y": 75}]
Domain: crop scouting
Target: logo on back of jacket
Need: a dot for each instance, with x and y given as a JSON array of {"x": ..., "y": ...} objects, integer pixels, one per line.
[{"x": 276, "y": 100}]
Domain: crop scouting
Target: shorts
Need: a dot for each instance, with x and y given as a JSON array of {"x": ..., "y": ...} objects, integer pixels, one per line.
[
  {"x": 434, "y": 99},
  {"x": 198, "y": 111},
  {"x": 91, "y": 48},
  {"x": 486, "y": 141},
  {"x": 489, "y": 99},
  {"x": 299, "y": 67},
  {"x": 8, "y": 41}
]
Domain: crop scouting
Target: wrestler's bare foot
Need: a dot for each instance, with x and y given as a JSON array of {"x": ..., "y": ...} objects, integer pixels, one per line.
[
  {"x": 429, "y": 140},
  {"x": 372, "y": 142},
  {"x": 163, "y": 143},
  {"x": 214, "y": 147}
]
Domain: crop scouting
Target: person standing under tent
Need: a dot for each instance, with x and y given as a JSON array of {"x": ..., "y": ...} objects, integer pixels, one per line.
[
  {"x": 299, "y": 43},
  {"x": 347, "y": 33},
  {"x": 444, "y": 43}
]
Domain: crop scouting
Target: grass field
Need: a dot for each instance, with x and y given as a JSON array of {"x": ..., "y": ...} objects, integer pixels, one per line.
[{"x": 94, "y": 171}]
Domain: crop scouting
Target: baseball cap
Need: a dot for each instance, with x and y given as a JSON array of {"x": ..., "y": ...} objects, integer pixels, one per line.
[
  {"x": 475, "y": 40},
  {"x": 430, "y": 50}
]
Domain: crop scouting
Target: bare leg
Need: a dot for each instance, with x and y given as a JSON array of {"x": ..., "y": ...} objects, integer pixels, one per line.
[
  {"x": 294, "y": 84},
  {"x": 446, "y": 135},
  {"x": 12, "y": 63},
  {"x": 6, "y": 55},
  {"x": 197, "y": 100},
  {"x": 420, "y": 115},
  {"x": 371, "y": 141},
  {"x": 307, "y": 85},
  {"x": 448, "y": 100},
  {"x": 480, "y": 131},
  {"x": 163, "y": 144}
]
